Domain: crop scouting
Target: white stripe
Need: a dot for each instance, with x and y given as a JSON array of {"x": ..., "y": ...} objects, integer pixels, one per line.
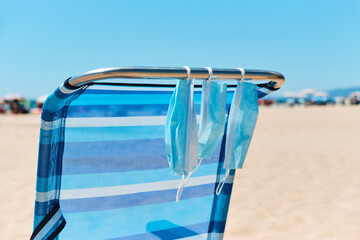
[
  {"x": 134, "y": 188},
  {"x": 145, "y": 89},
  {"x": 122, "y": 88},
  {"x": 47, "y": 196},
  {"x": 105, "y": 122},
  {"x": 197, "y": 237},
  {"x": 214, "y": 236},
  {"x": 64, "y": 90},
  {"x": 265, "y": 90},
  {"x": 48, "y": 226},
  {"x": 50, "y": 125},
  {"x": 115, "y": 121}
]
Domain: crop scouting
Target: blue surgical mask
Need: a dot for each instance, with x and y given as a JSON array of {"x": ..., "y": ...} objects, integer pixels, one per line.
[
  {"x": 212, "y": 117},
  {"x": 241, "y": 124},
  {"x": 181, "y": 134}
]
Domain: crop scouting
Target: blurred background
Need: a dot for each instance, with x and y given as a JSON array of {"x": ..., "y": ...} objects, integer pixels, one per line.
[{"x": 301, "y": 178}]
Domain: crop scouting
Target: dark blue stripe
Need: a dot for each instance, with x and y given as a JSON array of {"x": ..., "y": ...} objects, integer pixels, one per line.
[
  {"x": 261, "y": 94},
  {"x": 109, "y": 164},
  {"x": 176, "y": 232},
  {"x": 43, "y": 161},
  {"x": 121, "y": 148},
  {"x": 130, "y": 110},
  {"x": 51, "y": 116},
  {"x": 137, "y": 199},
  {"x": 43, "y": 208},
  {"x": 46, "y": 115},
  {"x": 62, "y": 95},
  {"x": 49, "y": 160},
  {"x": 221, "y": 202},
  {"x": 84, "y": 111},
  {"x": 117, "y": 156},
  {"x": 217, "y": 226},
  {"x": 111, "y": 156}
]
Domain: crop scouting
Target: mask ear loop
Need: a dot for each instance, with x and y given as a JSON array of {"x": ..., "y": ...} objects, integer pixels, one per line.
[
  {"x": 242, "y": 74},
  {"x": 223, "y": 180},
  {"x": 210, "y": 73},
  {"x": 188, "y": 72},
  {"x": 204, "y": 99},
  {"x": 183, "y": 180},
  {"x": 183, "y": 183},
  {"x": 208, "y": 79}
]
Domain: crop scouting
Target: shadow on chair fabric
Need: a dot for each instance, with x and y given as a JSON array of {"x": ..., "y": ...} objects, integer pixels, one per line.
[
  {"x": 103, "y": 171},
  {"x": 172, "y": 231}
]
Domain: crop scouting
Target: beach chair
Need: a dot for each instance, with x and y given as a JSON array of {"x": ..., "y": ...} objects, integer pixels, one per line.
[{"x": 102, "y": 168}]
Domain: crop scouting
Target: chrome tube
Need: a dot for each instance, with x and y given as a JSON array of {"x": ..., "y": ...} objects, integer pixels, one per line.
[{"x": 277, "y": 79}]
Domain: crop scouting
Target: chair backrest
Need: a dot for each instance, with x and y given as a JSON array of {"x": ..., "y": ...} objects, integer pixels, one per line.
[{"x": 103, "y": 171}]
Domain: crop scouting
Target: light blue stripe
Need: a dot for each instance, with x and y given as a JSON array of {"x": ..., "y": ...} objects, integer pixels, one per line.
[
  {"x": 119, "y": 99},
  {"x": 127, "y": 178},
  {"x": 46, "y": 136},
  {"x": 37, "y": 220},
  {"x": 125, "y": 99},
  {"x": 54, "y": 103},
  {"x": 118, "y": 222},
  {"x": 114, "y": 133},
  {"x": 229, "y": 97}
]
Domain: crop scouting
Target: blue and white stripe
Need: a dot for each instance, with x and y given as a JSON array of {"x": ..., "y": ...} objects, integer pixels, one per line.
[{"x": 102, "y": 160}]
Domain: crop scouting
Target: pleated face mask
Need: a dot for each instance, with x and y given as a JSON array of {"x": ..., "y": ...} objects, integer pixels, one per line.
[
  {"x": 212, "y": 115},
  {"x": 181, "y": 134},
  {"x": 181, "y": 130},
  {"x": 241, "y": 124}
]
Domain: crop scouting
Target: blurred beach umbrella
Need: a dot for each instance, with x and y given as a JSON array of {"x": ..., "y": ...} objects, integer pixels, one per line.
[
  {"x": 354, "y": 97},
  {"x": 290, "y": 95},
  {"x": 308, "y": 91},
  {"x": 321, "y": 94},
  {"x": 41, "y": 99},
  {"x": 357, "y": 94},
  {"x": 13, "y": 96},
  {"x": 321, "y": 98},
  {"x": 302, "y": 95}
]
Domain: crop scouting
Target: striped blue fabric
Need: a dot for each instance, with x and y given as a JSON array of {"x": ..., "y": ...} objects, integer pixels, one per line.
[{"x": 103, "y": 171}]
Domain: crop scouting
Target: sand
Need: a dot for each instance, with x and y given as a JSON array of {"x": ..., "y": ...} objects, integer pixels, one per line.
[{"x": 301, "y": 178}]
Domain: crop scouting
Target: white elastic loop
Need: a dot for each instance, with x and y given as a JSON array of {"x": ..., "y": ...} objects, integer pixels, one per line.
[
  {"x": 210, "y": 73},
  {"x": 200, "y": 161},
  {"x": 183, "y": 183},
  {"x": 242, "y": 73},
  {"x": 180, "y": 189},
  {"x": 222, "y": 182},
  {"x": 188, "y": 72}
]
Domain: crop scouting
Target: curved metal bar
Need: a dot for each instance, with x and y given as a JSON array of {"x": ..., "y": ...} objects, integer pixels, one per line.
[{"x": 276, "y": 79}]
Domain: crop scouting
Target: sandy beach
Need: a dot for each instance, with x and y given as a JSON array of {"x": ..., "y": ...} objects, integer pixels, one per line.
[{"x": 301, "y": 178}]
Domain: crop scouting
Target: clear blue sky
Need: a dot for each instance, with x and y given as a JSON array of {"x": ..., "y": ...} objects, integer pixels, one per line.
[{"x": 315, "y": 44}]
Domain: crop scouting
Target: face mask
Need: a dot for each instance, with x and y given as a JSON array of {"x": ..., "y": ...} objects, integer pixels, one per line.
[
  {"x": 212, "y": 115},
  {"x": 181, "y": 135},
  {"x": 241, "y": 124}
]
